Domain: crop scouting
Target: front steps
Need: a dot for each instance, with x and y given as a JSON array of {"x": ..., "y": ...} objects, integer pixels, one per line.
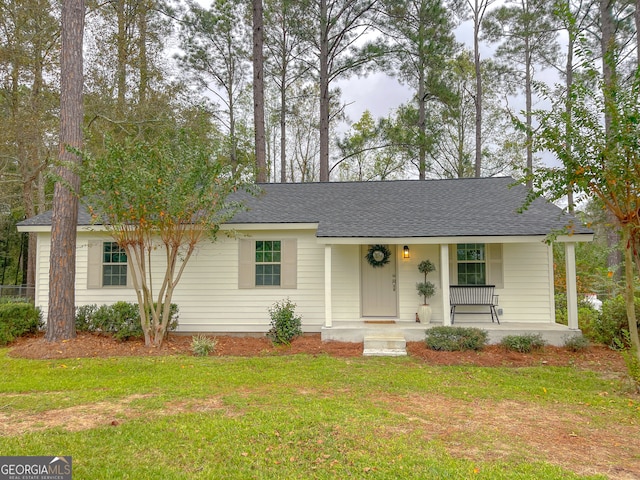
[{"x": 391, "y": 344}]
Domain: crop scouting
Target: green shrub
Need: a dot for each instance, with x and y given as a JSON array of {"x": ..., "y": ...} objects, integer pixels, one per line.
[
  {"x": 84, "y": 318},
  {"x": 121, "y": 320},
  {"x": 202, "y": 345},
  {"x": 577, "y": 343},
  {"x": 523, "y": 343},
  {"x": 452, "y": 339},
  {"x": 588, "y": 321},
  {"x": 613, "y": 321},
  {"x": 17, "y": 319},
  {"x": 285, "y": 325}
]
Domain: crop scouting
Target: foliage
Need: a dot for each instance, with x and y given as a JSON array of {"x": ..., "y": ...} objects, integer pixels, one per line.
[
  {"x": 589, "y": 319},
  {"x": 203, "y": 345},
  {"x": 165, "y": 195},
  {"x": 452, "y": 339},
  {"x": 523, "y": 343},
  {"x": 285, "y": 324},
  {"x": 577, "y": 343},
  {"x": 426, "y": 289},
  {"x": 603, "y": 160},
  {"x": 17, "y": 319},
  {"x": 419, "y": 40},
  {"x": 121, "y": 320},
  {"x": 613, "y": 322}
]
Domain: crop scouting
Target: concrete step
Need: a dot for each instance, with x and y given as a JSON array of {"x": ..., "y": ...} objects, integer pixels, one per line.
[{"x": 385, "y": 345}]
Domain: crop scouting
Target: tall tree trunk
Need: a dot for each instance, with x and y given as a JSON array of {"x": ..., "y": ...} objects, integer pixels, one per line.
[
  {"x": 61, "y": 314},
  {"x": 324, "y": 92},
  {"x": 608, "y": 46},
  {"x": 121, "y": 66},
  {"x": 568, "y": 109},
  {"x": 422, "y": 128},
  {"x": 258, "y": 92},
  {"x": 478, "y": 100},
  {"x": 529, "y": 108},
  {"x": 143, "y": 64},
  {"x": 283, "y": 130}
]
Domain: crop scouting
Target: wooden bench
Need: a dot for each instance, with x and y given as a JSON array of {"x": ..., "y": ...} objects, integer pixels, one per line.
[{"x": 473, "y": 295}]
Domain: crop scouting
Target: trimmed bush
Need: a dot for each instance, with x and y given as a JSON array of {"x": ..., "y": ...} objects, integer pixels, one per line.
[
  {"x": 453, "y": 339},
  {"x": 17, "y": 319},
  {"x": 121, "y": 320},
  {"x": 202, "y": 345},
  {"x": 577, "y": 343},
  {"x": 285, "y": 325},
  {"x": 523, "y": 343}
]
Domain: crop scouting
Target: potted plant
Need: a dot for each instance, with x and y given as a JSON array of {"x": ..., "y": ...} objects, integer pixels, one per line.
[{"x": 425, "y": 290}]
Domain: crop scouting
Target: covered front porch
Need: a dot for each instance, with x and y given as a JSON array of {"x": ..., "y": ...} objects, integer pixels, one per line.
[{"x": 526, "y": 288}]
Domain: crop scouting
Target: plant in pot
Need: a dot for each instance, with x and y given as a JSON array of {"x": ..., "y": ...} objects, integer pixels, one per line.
[{"x": 426, "y": 290}]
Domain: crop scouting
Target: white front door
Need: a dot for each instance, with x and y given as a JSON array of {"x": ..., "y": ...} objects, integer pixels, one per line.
[{"x": 379, "y": 285}]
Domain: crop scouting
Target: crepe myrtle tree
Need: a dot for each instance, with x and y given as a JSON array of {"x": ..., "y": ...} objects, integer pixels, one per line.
[
  {"x": 164, "y": 196},
  {"x": 600, "y": 162}
]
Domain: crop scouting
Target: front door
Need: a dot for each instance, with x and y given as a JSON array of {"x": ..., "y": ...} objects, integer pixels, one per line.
[{"x": 379, "y": 296}]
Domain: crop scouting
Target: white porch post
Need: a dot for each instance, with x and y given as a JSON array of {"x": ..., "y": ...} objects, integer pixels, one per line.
[
  {"x": 444, "y": 284},
  {"x": 572, "y": 291},
  {"x": 328, "y": 320}
]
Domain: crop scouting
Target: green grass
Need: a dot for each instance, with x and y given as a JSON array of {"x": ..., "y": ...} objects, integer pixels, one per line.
[{"x": 294, "y": 416}]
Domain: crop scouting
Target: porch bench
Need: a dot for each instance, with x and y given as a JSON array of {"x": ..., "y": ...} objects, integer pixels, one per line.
[{"x": 473, "y": 295}]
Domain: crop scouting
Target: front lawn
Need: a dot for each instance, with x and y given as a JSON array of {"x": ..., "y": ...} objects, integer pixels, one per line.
[{"x": 303, "y": 416}]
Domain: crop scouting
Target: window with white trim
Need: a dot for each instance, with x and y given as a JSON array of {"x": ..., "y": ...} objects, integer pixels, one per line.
[
  {"x": 471, "y": 264},
  {"x": 268, "y": 262},
  {"x": 114, "y": 265}
]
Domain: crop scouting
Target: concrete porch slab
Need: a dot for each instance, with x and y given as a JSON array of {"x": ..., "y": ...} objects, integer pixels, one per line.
[{"x": 553, "y": 334}]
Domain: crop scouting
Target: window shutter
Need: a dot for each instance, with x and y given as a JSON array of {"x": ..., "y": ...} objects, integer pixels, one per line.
[
  {"x": 246, "y": 263},
  {"x": 289, "y": 269},
  {"x": 495, "y": 275},
  {"x": 94, "y": 264},
  {"x": 453, "y": 264}
]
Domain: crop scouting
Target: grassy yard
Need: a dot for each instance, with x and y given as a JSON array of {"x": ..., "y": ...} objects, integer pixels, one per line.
[{"x": 302, "y": 417}]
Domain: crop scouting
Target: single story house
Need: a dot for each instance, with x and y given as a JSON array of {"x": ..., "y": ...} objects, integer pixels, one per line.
[{"x": 347, "y": 253}]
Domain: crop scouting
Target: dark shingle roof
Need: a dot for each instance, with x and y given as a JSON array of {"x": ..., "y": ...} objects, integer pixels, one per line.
[
  {"x": 407, "y": 208},
  {"x": 396, "y": 209}
]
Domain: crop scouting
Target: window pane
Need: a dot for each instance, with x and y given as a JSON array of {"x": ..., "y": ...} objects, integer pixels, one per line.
[
  {"x": 471, "y": 264},
  {"x": 268, "y": 275},
  {"x": 114, "y": 269}
]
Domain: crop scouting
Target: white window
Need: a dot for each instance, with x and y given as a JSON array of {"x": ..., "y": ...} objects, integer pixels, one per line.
[
  {"x": 471, "y": 262},
  {"x": 114, "y": 265},
  {"x": 107, "y": 265},
  {"x": 267, "y": 263},
  {"x": 476, "y": 264}
]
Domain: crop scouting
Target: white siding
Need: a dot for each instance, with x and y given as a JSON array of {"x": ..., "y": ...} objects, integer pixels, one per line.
[
  {"x": 208, "y": 295},
  {"x": 527, "y": 283},
  {"x": 345, "y": 273},
  {"x": 210, "y": 300}
]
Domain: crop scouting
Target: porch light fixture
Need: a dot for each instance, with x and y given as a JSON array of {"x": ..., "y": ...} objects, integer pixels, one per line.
[{"x": 405, "y": 252}]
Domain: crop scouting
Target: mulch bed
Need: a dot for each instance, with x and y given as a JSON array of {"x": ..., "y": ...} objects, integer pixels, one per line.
[{"x": 597, "y": 358}]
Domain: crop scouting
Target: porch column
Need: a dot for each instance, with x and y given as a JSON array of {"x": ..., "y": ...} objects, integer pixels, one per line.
[
  {"x": 328, "y": 320},
  {"x": 572, "y": 291},
  {"x": 444, "y": 284}
]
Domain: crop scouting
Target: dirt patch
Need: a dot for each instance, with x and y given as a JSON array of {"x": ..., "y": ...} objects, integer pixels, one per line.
[
  {"x": 534, "y": 432},
  {"x": 596, "y": 358},
  {"x": 84, "y": 417}
]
